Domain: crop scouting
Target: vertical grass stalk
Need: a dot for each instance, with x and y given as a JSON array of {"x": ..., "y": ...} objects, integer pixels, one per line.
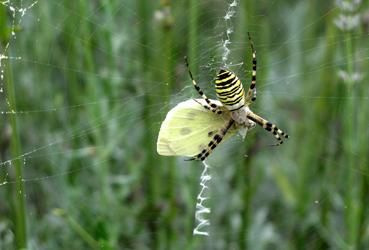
[
  {"x": 18, "y": 203},
  {"x": 350, "y": 148},
  {"x": 168, "y": 76},
  {"x": 363, "y": 148},
  {"x": 90, "y": 241},
  {"x": 19, "y": 193},
  {"x": 328, "y": 113},
  {"x": 193, "y": 34},
  {"x": 150, "y": 174}
]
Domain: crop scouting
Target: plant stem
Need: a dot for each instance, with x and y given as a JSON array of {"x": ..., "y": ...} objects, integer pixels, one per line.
[
  {"x": 77, "y": 228},
  {"x": 19, "y": 194},
  {"x": 363, "y": 157},
  {"x": 168, "y": 76},
  {"x": 328, "y": 113},
  {"x": 18, "y": 202},
  {"x": 150, "y": 174},
  {"x": 193, "y": 34},
  {"x": 350, "y": 148}
]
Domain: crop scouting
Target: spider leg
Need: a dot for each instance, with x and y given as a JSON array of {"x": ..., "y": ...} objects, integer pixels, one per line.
[
  {"x": 212, "y": 106},
  {"x": 278, "y": 134},
  {"x": 251, "y": 93},
  {"x": 206, "y": 106},
  {"x": 217, "y": 138}
]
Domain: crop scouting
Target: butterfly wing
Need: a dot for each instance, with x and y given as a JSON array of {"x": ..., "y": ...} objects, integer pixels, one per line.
[{"x": 189, "y": 127}]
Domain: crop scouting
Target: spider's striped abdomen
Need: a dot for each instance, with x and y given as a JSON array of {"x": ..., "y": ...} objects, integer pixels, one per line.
[{"x": 229, "y": 90}]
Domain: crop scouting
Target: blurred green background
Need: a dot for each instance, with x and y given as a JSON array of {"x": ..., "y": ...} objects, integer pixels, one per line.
[{"x": 90, "y": 82}]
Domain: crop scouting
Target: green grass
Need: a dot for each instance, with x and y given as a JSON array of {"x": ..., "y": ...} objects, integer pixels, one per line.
[
  {"x": 96, "y": 79},
  {"x": 18, "y": 205}
]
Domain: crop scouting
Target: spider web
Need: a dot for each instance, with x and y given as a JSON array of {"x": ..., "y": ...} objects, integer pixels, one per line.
[{"x": 57, "y": 155}]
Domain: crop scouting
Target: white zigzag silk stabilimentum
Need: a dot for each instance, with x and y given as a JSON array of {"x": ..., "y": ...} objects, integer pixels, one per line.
[{"x": 201, "y": 209}]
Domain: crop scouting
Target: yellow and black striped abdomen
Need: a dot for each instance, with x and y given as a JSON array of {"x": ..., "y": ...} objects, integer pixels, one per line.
[{"x": 229, "y": 90}]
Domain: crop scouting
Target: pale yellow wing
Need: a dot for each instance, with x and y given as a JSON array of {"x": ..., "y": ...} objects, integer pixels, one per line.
[{"x": 189, "y": 127}]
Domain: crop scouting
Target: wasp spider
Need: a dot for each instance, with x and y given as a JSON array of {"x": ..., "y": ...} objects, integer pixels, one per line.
[{"x": 195, "y": 127}]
